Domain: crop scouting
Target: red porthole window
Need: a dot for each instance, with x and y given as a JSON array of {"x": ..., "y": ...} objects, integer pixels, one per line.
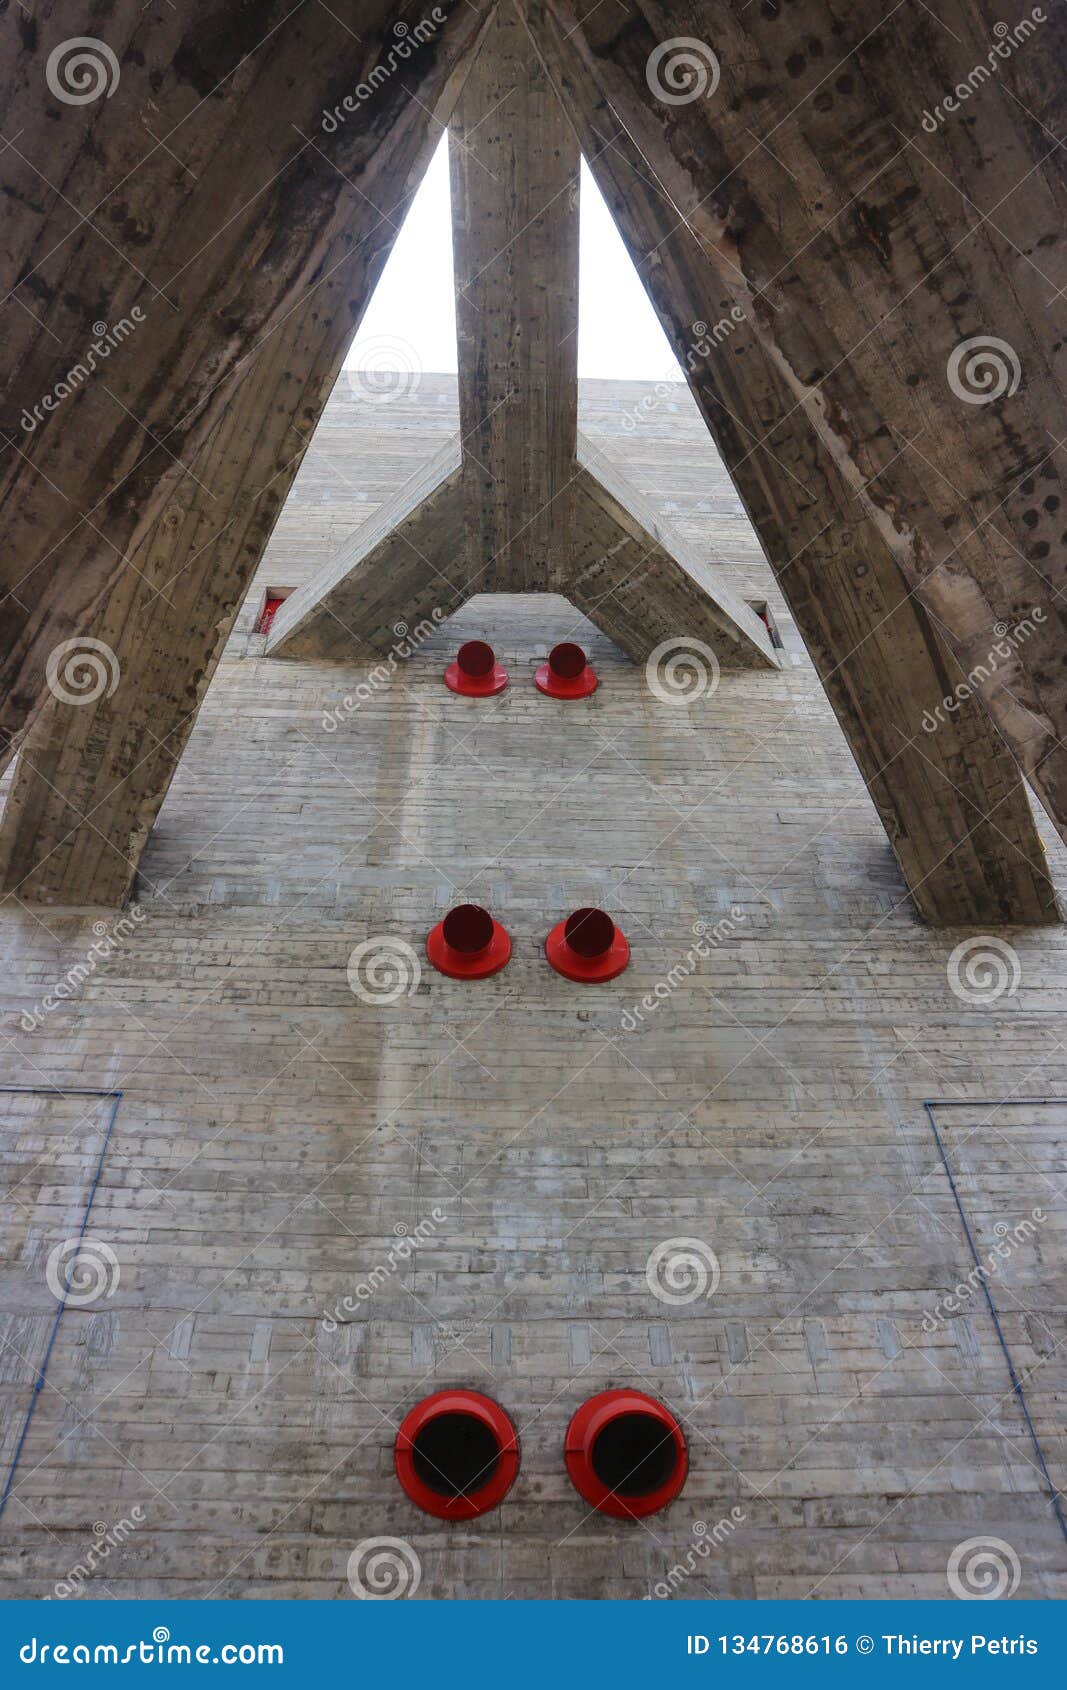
[
  {"x": 625, "y": 1454},
  {"x": 475, "y": 671},
  {"x": 456, "y": 1454},
  {"x": 468, "y": 944},
  {"x": 567, "y": 674},
  {"x": 587, "y": 947}
]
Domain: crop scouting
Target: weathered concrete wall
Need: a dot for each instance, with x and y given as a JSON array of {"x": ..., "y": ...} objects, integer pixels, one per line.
[{"x": 277, "y": 1135}]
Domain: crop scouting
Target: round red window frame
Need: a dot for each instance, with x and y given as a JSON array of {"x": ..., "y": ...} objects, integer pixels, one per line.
[
  {"x": 485, "y": 679},
  {"x": 572, "y": 679},
  {"x": 477, "y": 964},
  {"x": 586, "y": 1426},
  {"x": 605, "y": 965},
  {"x": 487, "y": 1496}
]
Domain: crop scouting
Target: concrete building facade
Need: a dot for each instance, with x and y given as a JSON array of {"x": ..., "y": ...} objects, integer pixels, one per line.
[{"x": 798, "y": 1172}]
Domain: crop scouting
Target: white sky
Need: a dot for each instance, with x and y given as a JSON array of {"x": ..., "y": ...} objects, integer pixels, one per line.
[{"x": 410, "y": 323}]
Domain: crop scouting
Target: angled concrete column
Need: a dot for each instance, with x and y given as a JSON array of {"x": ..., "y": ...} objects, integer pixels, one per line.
[
  {"x": 951, "y": 801},
  {"x": 640, "y": 582},
  {"x": 220, "y": 179},
  {"x": 404, "y": 565},
  {"x": 92, "y": 775}
]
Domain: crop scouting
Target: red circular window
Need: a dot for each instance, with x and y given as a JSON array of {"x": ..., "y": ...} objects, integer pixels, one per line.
[
  {"x": 468, "y": 944},
  {"x": 475, "y": 671},
  {"x": 567, "y": 674},
  {"x": 456, "y": 1454},
  {"x": 587, "y": 947},
  {"x": 566, "y": 661},
  {"x": 625, "y": 1454}
]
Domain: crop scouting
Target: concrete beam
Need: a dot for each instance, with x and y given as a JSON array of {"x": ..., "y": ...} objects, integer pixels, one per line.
[
  {"x": 405, "y": 564},
  {"x": 219, "y": 182},
  {"x": 514, "y": 169},
  {"x": 640, "y": 582},
  {"x": 847, "y": 271},
  {"x": 951, "y": 801}
]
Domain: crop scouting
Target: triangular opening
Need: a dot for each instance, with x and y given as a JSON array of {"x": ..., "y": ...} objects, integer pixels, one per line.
[
  {"x": 619, "y": 334},
  {"x": 409, "y": 326}
]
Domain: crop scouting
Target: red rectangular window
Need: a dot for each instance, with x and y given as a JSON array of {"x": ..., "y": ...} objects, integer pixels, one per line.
[{"x": 267, "y": 615}]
